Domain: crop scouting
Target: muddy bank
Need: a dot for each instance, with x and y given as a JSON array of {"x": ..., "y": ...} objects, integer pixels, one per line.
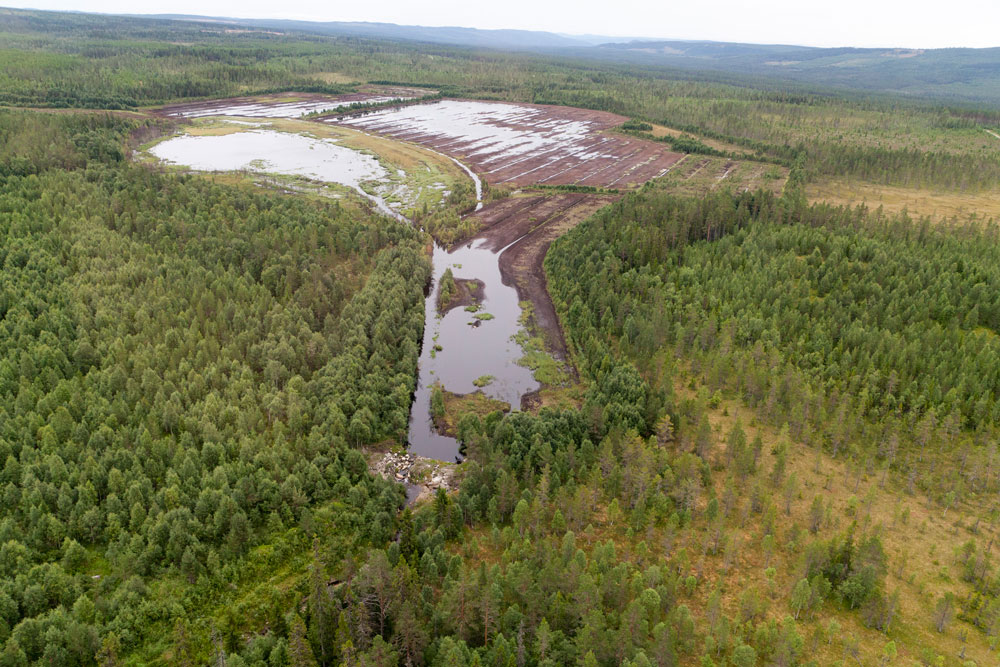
[
  {"x": 535, "y": 222},
  {"x": 532, "y": 401},
  {"x": 510, "y": 219}
]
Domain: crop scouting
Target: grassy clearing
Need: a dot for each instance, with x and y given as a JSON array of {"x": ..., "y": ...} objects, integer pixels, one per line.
[
  {"x": 217, "y": 127},
  {"x": 697, "y": 175},
  {"x": 659, "y": 131},
  {"x": 277, "y": 99},
  {"x": 938, "y": 205},
  {"x": 919, "y": 539},
  {"x": 334, "y": 77},
  {"x": 569, "y": 397}
]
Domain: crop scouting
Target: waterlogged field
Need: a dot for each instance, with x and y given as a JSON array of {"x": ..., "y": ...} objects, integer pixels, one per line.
[
  {"x": 398, "y": 178},
  {"x": 521, "y": 144},
  {"x": 940, "y": 205},
  {"x": 287, "y": 105}
]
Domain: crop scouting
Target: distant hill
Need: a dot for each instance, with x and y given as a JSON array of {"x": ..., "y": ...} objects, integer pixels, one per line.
[
  {"x": 493, "y": 39},
  {"x": 969, "y": 74},
  {"x": 954, "y": 75}
]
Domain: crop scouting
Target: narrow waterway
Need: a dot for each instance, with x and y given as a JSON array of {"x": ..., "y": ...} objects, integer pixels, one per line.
[
  {"x": 457, "y": 348},
  {"x": 470, "y": 348}
]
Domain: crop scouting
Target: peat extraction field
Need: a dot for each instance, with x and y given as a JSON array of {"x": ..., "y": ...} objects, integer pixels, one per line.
[
  {"x": 289, "y": 105},
  {"x": 525, "y": 144}
]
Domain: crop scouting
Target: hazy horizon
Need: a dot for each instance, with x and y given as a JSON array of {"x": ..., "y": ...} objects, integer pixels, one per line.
[{"x": 851, "y": 23}]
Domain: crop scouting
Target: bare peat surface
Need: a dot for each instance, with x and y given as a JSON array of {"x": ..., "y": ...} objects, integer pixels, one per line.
[
  {"x": 524, "y": 144},
  {"x": 288, "y": 105},
  {"x": 525, "y": 227}
]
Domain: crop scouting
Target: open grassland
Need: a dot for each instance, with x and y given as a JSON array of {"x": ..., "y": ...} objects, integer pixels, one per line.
[{"x": 941, "y": 206}]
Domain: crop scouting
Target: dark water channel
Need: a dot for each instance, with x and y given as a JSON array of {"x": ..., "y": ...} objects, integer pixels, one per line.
[{"x": 467, "y": 351}]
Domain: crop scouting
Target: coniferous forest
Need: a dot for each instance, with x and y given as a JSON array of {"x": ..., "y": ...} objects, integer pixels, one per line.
[{"x": 778, "y": 444}]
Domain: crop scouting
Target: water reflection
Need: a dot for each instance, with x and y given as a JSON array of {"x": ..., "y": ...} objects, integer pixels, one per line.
[{"x": 468, "y": 352}]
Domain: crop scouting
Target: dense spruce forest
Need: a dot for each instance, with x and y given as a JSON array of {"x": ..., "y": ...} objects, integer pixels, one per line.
[
  {"x": 171, "y": 354},
  {"x": 779, "y": 446}
]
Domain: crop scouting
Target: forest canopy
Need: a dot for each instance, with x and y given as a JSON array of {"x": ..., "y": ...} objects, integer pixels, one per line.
[{"x": 167, "y": 348}]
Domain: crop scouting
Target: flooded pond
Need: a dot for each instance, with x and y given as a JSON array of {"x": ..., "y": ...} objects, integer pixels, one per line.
[
  {"x": 467, "y": 351},
  {"x": 470, "y": 347},
  {"x": 289, "y": 106},
  {"x": 270, "y": 110},
  {"x": 269, "y": 151}
]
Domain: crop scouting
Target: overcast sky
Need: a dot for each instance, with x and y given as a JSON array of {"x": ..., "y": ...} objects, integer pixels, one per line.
[{"x": 893, "y": 23}]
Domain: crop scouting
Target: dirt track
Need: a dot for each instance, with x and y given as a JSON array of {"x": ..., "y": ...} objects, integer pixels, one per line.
[{"x": 535, "y": 222}]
